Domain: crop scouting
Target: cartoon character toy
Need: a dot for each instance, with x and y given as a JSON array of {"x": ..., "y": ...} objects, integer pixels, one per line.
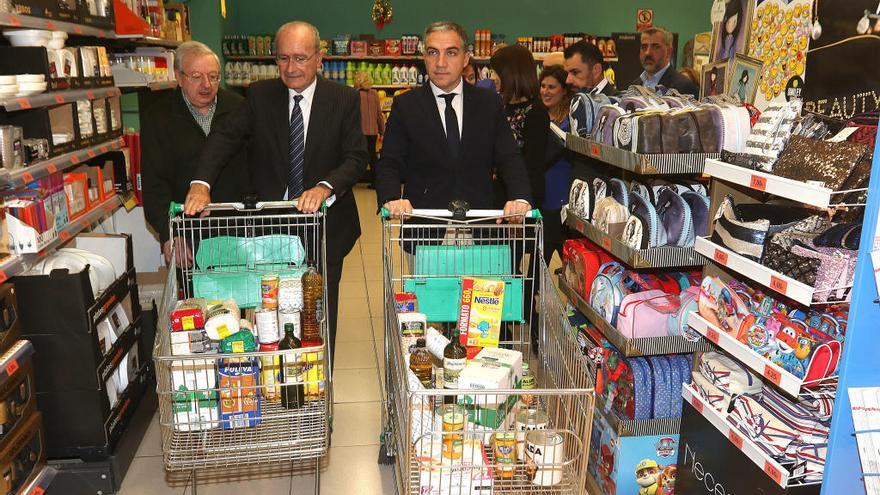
[
  {"x": 647, "y": 475},
  {"x": 666, "y": 482}
]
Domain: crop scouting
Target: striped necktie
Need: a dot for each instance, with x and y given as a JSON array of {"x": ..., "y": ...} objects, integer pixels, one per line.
[{"x": 297, "y": 147}]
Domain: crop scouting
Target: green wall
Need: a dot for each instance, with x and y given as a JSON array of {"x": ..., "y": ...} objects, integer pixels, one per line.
[{"x": 511, "y": 17}]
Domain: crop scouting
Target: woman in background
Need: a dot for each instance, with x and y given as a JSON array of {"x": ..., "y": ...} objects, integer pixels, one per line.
[
  {"x": 372, "y": 123},
  {"x": 471, "y": 73},
  {"x": 556, "y": 97}
]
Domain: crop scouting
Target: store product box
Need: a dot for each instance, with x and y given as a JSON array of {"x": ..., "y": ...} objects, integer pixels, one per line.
[
  {"x": 439, "y": 475},
  {"x": 491, "y": 369},
  {"x": 359, "y": 48},
  {"x": 17, "y": 394},
  {"x": 23, "y": 454},
  {"x": 98, "y": 13},
  {"x": 10, "y": 326},
  {"x": 393, "y": 47},
  {"x": 114, "y": 115},
  {"x": 621, "y": 464},
  {"x": 35, "y": 60},
  {"x": 76, "y": 187},
  {"x": 376, "y": 48},
  {"x": 65, "y": 10},
  {"x": 57, "y": 125},
  {"x": 35, "y": 8},
  {"x": 195, "y": 404},
  {"x": 480, "y": 312},
  {"x": 341, "y": 44},
  {"x": 239, "y": 396}
]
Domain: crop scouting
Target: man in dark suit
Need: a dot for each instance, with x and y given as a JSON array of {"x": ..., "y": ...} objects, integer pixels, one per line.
[
  {"x": 443, "y": 140},
  {"x": 655, "y": 52},
  {"x": 304, "y": 140},
  {"x": 586, "y": 69},
  {"x": 173, "y": 132}
]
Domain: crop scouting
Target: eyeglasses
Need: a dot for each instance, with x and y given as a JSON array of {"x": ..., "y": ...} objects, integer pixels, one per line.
[
  {"x": 199, "y": 78},
  {"x": 297, "y": 59}
]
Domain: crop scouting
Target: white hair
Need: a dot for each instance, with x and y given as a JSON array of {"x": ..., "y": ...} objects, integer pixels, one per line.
[
  {"x": 300, "y": 25},
  {"x": 190, "y": 48}
]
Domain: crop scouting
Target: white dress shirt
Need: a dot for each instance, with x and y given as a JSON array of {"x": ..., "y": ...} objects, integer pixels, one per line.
[
  {"x": 599, "y": 87},
  {"x": 457, "y": 104}
]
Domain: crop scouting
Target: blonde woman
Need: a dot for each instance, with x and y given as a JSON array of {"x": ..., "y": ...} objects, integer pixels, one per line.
[{"x": 372, "y": 123}]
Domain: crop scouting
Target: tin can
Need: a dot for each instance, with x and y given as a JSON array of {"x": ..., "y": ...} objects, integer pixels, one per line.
[
  {"x": 504, "y": 444},
  {"x": 270, "y": 373},
  {"x": 454, "y": 418},
  {"x": 285, "y": 317},
  {"x": 528, "y": 420},
  {"x": 545, "y": 453},
  {"x": 267, "y": 325},
  {"x": 269, "y": 290}
]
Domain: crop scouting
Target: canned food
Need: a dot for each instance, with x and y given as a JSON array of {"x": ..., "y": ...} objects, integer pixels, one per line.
[
  {"x": 285, "y": 317},
  {"x": 267, "y": 325},
  {"x": 454, "y": 417},
  {"x": 270, "y": 373},
  {"x": 528, "y": 420},
  {"x": 505, "y": 453},
  {"x": 545, "y": 452},
  {"x": 269, "y": 290}
]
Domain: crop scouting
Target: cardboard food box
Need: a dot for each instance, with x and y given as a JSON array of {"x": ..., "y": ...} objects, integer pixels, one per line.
[
  {"x": 239, "y": 393},
  {"x": 479, "y": 321},
  {"x": 195, "y": 401},
  {"x": 359, "y": 48},
  {"x": 491, "y": 369},
  {"x": 392, "y": 48}
]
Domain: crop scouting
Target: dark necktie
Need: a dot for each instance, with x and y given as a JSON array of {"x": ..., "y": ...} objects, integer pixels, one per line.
[
  {"x": 453, "y": 138},
  {"x": 297, "y": 148}
]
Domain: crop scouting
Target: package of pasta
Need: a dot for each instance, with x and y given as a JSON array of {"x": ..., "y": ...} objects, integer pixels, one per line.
[{"x": 479, "y": 317}]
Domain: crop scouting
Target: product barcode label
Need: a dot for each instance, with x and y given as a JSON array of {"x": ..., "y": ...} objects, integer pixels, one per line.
[
  {"x": 12, "y": 367},
  {"x": 778, "y": 284},
  {"x": 772, "y": 472},
  {"x": 772, "y": 374},
  {"x": 758, "y": 182},
  {"x": 712, "y": 335},
  {"x": 735, "y": 439},
  {"x": 720, "y": 257},
  {"x": 595, "y": 150}
]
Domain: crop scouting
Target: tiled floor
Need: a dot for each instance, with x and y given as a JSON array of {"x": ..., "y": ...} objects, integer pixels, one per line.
[{"x": 351, "y": 467}]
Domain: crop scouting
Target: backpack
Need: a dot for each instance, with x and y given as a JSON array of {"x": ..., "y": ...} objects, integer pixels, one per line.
[
  {"x": 581, "y": 260},
  {"x": 605, "y": 293},
  {"x": 583, "y": 111},
  {"x": 678, "y": 322},
  {"x": 603, "y": 130},
  {"x": 643, "y": 389}
]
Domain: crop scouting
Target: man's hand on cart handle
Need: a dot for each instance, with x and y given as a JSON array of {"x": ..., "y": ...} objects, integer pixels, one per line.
[
  {"x": 182, "y": 253},
  {"x": 399, "y": 207},
  {"x": 515, "y": 211},
  {"x": 198, "y": 197},
  {"x": 312, "y": 199}
]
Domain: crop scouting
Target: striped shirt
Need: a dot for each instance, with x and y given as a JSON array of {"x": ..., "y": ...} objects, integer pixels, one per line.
[{"x": 203, "y": 119}]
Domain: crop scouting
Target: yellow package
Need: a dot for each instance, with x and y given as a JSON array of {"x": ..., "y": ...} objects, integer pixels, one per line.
[
  {"x": 479, "y": 318},
  {"x": 314, "y": 373}
]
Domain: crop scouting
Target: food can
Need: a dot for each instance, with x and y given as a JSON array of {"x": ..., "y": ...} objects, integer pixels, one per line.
[
  {"x": 545, "y": 453},
  {"x": 504, "y": 444},
  {"x": 285, "y": 317},
  {"x": 270, "y": 373},
  {"x": 269, "y": 290},
  {"x": 528, "y": 420},
  {"x": 454, "y": 417},
  {"x": 267, "y": 325}
]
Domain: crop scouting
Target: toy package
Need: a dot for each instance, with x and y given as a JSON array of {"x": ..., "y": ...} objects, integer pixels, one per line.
[{"x": 479, "y": 320}]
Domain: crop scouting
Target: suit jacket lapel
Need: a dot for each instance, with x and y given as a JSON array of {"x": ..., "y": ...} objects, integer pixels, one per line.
[
  {"x": 278, "y": 114},
  {"x": 322, "y": 108},
  {"x": 433, "y": 115}
]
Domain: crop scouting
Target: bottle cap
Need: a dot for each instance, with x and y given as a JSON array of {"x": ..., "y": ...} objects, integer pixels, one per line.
[
  {"x": 420, "y": 342},
  {"x": 289, "y": 328}
]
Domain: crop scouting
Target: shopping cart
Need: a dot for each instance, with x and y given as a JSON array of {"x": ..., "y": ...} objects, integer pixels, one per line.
[
  {"x": 428, "y": 253},
  {"x": 232, "y": 248}
]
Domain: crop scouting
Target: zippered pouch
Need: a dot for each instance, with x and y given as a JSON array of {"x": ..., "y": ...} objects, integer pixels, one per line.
[
  {"x": 663, "y": 386},
  {"x": 724, "y": 309},
  {"x": 619, "y": 191},
  {"x": 699, "y": 206},
  {"x": 603, "y": 130},
  {"x": 610, "y": 217},
  {"x": 645, "y": 211},
  {"x": 675, "y": 216}
]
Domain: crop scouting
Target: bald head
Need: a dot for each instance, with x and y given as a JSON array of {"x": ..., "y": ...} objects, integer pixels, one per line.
[
  {"x": 298, "y": 53},
  {"x": 300, "y": 29}
]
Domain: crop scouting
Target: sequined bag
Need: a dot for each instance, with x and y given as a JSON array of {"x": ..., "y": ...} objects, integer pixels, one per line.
[
  {"x": 800, "y": 268},
  {"x": 830, "y": 163}
]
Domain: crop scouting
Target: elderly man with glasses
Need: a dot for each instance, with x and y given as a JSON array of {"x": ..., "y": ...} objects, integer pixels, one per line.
[
  {"x": 304, "y": 141},
  {"x": 173, "y": 132}
]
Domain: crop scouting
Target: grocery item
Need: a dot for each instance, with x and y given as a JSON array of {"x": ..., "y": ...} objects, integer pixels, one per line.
[
  {"x": 545, "y": 455},
  {"x": 314, "y": 372},
  {"x": 192, "y": 342},
  {"x": 405, "y": 302},
  {"x": 269, "y": 290},
  {"x": 270, "y": 373},
  {"x": 293, "y": 389},
  {"x": 188, "y": 314},
  {"x": 293, "y": 317},
  {"x": 238, "y": 342},
  {"x": 239, "y": 404},
  {"x": 528, "y": 420},
  {"x": 504, "y": 444},
  {"x": 491, "y": 369},
  {"x": 290, "y": 294},
  {"x": 479, "y": 321},
  {"x": 267, "y": 325},
  {"x": 527, "y": 383},
  {"x": 420, "y": 363},
  {"x": 412, "y": 328},
  {"x": 222, "y": 320},
  {"x": 454, "y": 359},
  {"x": 313, "y": 302},
  {"x": 454, "y": 418}
]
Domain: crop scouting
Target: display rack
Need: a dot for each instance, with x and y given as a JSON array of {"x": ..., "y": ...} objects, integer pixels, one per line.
[
  {"x": 648, "y": 346},
  {"x": 20, "y": 177},
  {"x": 802, "y": 192},
  {"x": 25, "y": 21},
  {"x": 40, "y": 484},
  {"x": 660, "y": 257},
  {"x": 787, "y": 382},
  {"x": 148, "y": 40},
  {"x": 365, "y": 58},
  {"x": 56, "y": 98},
  {"x": 771, "y": 468},
  {"x": 757, "y": 272},
  {"x": 644, "y": 164}
]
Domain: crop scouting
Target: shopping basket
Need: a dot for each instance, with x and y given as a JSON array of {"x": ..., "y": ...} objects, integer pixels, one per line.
[
  {"x": 222, "y": 411},
  {"x": 428, "y": 253}
]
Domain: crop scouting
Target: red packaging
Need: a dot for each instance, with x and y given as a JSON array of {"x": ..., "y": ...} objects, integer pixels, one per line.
[
  {"x": 358, "y": 48},
  {"x": 392, "y": 48},
  {"x": 188, "y": 314},
  {"x": 406, "y": 302},
  {"x": 376, "y": 48},
  {"x": 268, "y": 347}
]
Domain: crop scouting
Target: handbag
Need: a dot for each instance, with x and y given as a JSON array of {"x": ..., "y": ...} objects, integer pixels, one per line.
[
  {"x": 801, "y": 268},
  {"x": 805, "y": 231},
  {"x": 610, "y": 217},
  {"x": 745, "y": 228},
  {"x": 830, "y": 163},
  {"x": 724, "y": 309},
  {"x": 835, "y": 273},
  {"x": 771, "y": 132},
  {"x": 844, "y": 235}
]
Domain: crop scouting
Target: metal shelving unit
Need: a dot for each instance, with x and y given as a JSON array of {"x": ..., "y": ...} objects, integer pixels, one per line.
[
  {"x": 22, "y": 176},
  {"x": 653, "y": 164},
  {"x": 56, "y": 98}
]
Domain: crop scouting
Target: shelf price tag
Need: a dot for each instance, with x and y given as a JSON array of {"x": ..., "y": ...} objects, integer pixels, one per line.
[
  {"x": 3, "y": 276},
  {"x": 720, "y": 257},
  {"x": 12, "y": 367},
  {"x": 50, "y": 25},
  {"x": 712, "y": 335},
  {"x": 52, "y": 168},
  {"x": 91, "y": 153},
  {"x": 24, "y": 103},
  {"x": 595, "y": 150},
  {"x": 74, "y": 159},
  {"x": 698, "y": 405},
  {"x": 778, "y": 284},
  {"x": 59, "y": 98},
  {"x": 773, "y": 472},
  {"x": 38, "y": 490},
  {"x": 64, "y": 235},
  {"x": 90, "y": 94},
  {"x": 606, "y": 242},
  {"x": 13, "y": 21},
  {"x": 735, "y": 439},
  {"x": 27, "y": 177},
  {"x": 758, "y": 182},
  {"x": 772, "y": 374}
]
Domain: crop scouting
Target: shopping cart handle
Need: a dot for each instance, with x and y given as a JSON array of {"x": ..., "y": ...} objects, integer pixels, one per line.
[
  {"x": 385, "y": 214},
  {"x": 177, "y": 208}
]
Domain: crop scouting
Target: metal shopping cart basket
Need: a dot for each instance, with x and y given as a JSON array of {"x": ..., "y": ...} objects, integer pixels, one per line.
[
  {"x": 429, "y": 253},
  {"x": 220, "y": 411}
]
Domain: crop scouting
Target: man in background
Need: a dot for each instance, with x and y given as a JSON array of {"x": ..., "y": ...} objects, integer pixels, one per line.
[
  {"x": 655, "y": 53},
  {"x": 174, "y": 130},
  {"x": 586, "y": 69}
]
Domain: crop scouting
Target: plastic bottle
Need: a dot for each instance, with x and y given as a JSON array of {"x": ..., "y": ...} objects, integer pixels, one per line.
[
  {"x": 313, "y": 307},
  {"x": 293, "y": 393},
  {"x": 413, "y": 75},
  {"x": 349, "y": 73},
  {"x": 386, "y": 75},
  {"x": 395, "y": 76},
  {"x": 420, "y": 363},
  {"x": 528, "y": 383}
]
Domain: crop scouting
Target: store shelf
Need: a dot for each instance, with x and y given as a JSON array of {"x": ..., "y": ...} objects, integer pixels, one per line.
[
  {"x": 649, "y": 346},
  {"x": 770, "y": 467},
  {"x": 660, "y": 257},
  {"x": 389, "y": 58},
  {"x": 56, "y": 98},
  {"x": 148, "y": 40},
  {"x": 787, "y": 382},
  {"x": 40, "y": 483},
  {"x": 755, "y": 271},
  {"x": 25, "y": 21},
  {"x": 802, "y": 192},
  {"x": 393, "y": 86},
  {"x": 644, "y": 164},
  {"x": 153, "y": 86},
  {"x": 20, "y": 177}
]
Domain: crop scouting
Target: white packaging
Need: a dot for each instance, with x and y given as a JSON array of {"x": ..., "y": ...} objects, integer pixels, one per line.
[
  {"x": 290, "y": 295},
  {"x": 436, "y": 342},
  {"x": 222, "y": 320},
  {"x": 441, "y": 476},
  {"x": 195, "y": 407},
  {"x": 491, "y": 369},
  {"x": 412, "y": 327}
]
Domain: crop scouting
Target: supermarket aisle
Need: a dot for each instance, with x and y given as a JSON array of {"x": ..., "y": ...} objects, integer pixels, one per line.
[{"x": 351, "y": 466}]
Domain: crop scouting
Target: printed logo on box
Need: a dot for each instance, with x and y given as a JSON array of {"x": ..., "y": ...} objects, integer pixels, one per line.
[{"x": 666, "y": 447}]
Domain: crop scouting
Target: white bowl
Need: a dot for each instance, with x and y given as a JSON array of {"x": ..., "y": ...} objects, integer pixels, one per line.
[
  {"x": 28, "y": 37},
  {"x": 23, "y": 93},
  {"x": 32, "y": 86},
  {"x": 59, "y": 35},
  {"x": 5, "y": 80},
  {"x": 55, "y": 44},
  {"x": 9, "y": 88},
  {"x": 30, "y": 78}
]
